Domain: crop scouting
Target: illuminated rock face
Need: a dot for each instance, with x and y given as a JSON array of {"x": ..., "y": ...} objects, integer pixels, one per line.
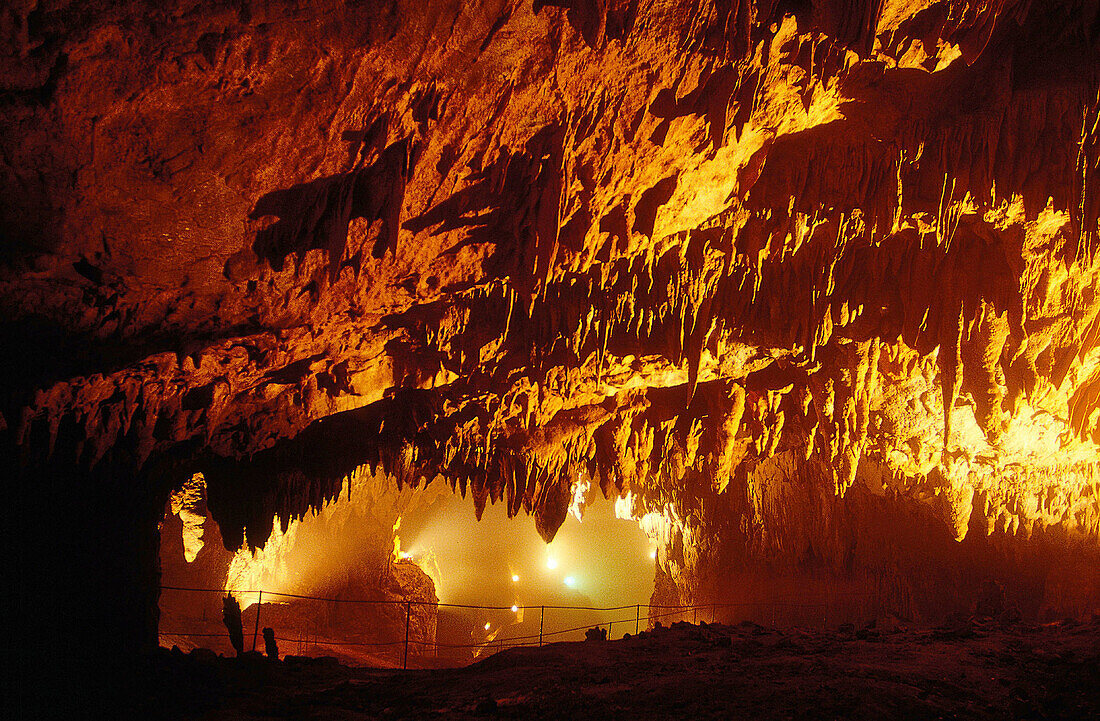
[
  {"x": 814, "y": 282},
  {"x": 346, "y": 551}
]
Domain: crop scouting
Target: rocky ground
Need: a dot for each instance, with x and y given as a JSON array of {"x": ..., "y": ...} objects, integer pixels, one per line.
[{"x": 964, "y": 670}]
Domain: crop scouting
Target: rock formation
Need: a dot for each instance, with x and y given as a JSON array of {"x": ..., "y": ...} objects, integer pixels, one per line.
[
  {"x": 812, "y": 283},
  {"x": 345, "y": 551}
]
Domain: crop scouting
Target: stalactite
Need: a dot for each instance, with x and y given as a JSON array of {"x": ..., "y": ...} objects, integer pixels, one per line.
[{"x": 731, "y": 284}]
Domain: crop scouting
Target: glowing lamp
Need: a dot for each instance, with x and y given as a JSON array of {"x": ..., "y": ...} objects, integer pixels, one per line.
[
  {"x": 551, "y": 563},
  {"x": 515, "y": 578},
  {"x": 486, "y": 625},
  {"x": 515, "y": 608},
  {"x": 570, "y": 581},
  {"x": 653, "y": 553}
]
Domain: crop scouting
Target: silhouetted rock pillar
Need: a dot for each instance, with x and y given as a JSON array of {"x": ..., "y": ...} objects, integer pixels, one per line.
[
  {"x": 270, "y": 647},
  {"x": 231, "y": 617}
]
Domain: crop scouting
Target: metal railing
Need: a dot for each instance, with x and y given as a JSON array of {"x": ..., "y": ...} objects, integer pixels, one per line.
[{"x": 654, "y": 613}]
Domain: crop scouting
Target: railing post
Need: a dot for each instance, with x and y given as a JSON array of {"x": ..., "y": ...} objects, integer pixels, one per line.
[
  {"x": 609, "y": 629},
  {"x": 637, "y": 617},
  {"x": 542, "y": 617},
  {"x": 408, "y": 613},
  {"x": 256, "y": 629}
]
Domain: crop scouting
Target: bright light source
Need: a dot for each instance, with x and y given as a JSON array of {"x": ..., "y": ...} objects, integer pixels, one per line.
[
  {"x": 515, "y": 608},
  {"x": 551, "y": 563},
  {"x": 570, "y": 581},
  {"x": 486, "y": 625},
  {"x": 515, "y": 578},
  {"x": 653, "y": 553},
  {"x": 406, "y": 554}
]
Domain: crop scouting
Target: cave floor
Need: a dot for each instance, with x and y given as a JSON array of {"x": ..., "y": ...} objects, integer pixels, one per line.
[{"x": 968, "y": 670}]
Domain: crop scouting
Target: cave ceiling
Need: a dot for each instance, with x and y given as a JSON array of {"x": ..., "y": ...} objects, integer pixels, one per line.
[{"x": 680, "y": 247}]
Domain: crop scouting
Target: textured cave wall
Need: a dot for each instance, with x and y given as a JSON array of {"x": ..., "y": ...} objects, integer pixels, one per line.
[
  {"x": 192, "y": 554},
  {"x": 874, "y": 554},
  {"x": 679, "y": 245}
]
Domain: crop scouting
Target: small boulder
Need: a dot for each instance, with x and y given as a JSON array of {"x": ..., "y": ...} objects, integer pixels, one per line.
[{"x": 595, "y": 634}]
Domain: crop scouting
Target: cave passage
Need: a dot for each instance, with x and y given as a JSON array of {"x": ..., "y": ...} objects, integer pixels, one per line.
[
  {"x": 340, "y": 580},
  {"x": 597, "y": 560}
]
